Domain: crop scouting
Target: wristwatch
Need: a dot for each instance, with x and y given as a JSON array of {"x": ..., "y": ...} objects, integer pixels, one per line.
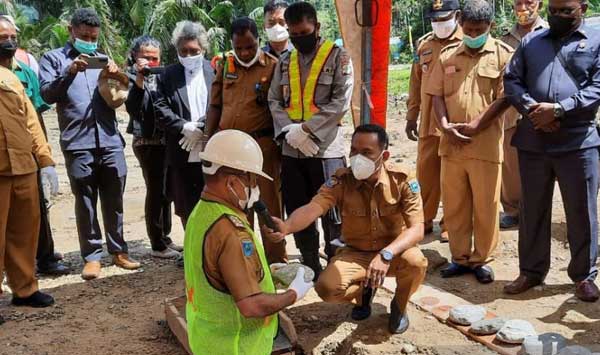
[
  {"x": 559, "y": 112},
  {"x": 386, "y": 255}
]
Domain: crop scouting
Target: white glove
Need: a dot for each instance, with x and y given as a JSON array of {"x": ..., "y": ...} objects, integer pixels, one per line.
[
  {"x": 300, "y": 286},
  {"x": 295, "y": 136},
  {"x": 50, "y": 178},
  {"x": 188, "y": 144},
  {"x": 309, "y": 148},
  {"x": 192, "y": 129}
]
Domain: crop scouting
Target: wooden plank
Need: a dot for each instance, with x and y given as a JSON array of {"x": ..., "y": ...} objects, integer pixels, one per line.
[
  {"x": 285, "y": 343},
  {"x": 438, "y": 303},
  {"x": 176, "y": 320}
]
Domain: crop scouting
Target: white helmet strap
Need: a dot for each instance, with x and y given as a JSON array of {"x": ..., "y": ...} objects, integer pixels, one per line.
[{"x": 210, "y": 169}]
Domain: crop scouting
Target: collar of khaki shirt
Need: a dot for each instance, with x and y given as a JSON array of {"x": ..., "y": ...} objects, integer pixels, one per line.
[
  {"x": 488, "y": 47},
  {"x": 539, "y": 23},
  {"x": 383, "y": 180},
  {"x": 207, "y": 196}
]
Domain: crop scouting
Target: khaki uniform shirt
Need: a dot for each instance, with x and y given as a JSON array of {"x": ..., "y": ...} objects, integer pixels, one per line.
[
  {"x": 242, "y": 95},
  {"x": 513, "y": 39},
  {"x": 469, "y": 85},
  {"x": 332, "y": 95},
  {"x": 419, "y": 102},
  {"x": 23, "y": 146},
  {"x": 373, "y": 216},
  {"x": 225, "y": 265}
]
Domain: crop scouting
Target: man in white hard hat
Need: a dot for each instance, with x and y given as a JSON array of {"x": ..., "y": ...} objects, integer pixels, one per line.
[{"x": 231, "y": 300}]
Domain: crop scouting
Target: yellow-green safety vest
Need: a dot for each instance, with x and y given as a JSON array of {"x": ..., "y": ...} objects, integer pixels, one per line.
[
  {"x": 215, "y": 325},
  {"x": 302, "y": 104}
]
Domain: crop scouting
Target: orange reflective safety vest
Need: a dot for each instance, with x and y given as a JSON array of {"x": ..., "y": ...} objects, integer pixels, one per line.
[{"x": 302, "y": 106}]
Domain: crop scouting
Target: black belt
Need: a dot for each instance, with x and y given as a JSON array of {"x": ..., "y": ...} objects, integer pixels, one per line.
[{"x": 267, "y": 132}]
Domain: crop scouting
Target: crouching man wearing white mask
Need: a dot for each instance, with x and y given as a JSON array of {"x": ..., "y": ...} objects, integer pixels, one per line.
[{"x": 382, "y": 223}]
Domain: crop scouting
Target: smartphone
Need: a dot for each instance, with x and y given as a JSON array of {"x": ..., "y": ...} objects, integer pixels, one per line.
[{"x": 96, "y": 62}]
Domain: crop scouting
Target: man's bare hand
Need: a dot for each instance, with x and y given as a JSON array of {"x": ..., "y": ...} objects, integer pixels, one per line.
[
  {"x": 376, "y": 272},
  {"x": 272, "y": 235},
  {"x": 112, "y": 67},
  {"x": 412, "y": 130},
  {"x": 455, "y": 137},
  {"x": 79, "y": 64},
  {"x": 542, "y": 114},
  {"x": 468, "y": 129}
]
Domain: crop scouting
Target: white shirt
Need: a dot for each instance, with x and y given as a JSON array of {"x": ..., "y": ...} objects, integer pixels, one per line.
[
  {"x": 197, "y": 93},
  {"x": 198, "y": 98}
]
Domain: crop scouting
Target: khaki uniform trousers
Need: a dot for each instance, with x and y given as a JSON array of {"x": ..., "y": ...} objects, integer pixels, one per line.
[
  {"x": 270, "y": 194},
  {"x": 471, "y": 198},
  {"x": 511, "y": 178},
  {"x": 341, "y": 281},
  {"x": 19, "y": 228},
  {"x": 428, "y": 175}
]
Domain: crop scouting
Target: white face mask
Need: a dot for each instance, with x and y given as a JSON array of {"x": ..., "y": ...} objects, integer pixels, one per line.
[
  {"x": 252, "y": 196},
  {"x": 445, "y": 29},
  {"x": 362, "y": 167},
  {"x": 193, "y": 62},
  {"x": 277, "y": 33},
  {"x": 247, "y": 64}
]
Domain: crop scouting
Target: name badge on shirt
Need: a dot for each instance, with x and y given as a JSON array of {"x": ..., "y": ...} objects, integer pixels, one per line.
[
  {"x": 232, "y": 76},
  {"x": 450, "y": 70}
]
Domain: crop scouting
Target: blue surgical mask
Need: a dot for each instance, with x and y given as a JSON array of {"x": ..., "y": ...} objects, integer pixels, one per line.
[
  {"x": 84, "y": 47},
  {"x": 476, "y": 42}
]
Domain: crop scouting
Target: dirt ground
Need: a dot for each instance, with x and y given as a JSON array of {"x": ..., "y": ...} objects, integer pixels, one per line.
[{"x": 122, "y": 312}]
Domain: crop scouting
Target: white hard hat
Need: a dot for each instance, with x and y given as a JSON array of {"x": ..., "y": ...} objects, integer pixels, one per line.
[{"x": 234, "y": 149}]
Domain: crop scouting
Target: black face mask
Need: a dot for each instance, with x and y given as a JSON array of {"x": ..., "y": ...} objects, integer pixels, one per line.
[
  {"x": 305, "y": 44},
  {"x": 562, "y": 26},
  {"x": 8, "y": 48}
]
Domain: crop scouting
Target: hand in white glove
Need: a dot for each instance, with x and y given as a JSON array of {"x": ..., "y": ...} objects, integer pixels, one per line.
[
  {"x": 188, "y": 144},
  {"x": 299, "y": 286},
  {"x": 309, "y": 148},
  {"x": 49, "y": 177},
  {"x": 192, "y": 130},
  {"x": 295, "y": 136}
]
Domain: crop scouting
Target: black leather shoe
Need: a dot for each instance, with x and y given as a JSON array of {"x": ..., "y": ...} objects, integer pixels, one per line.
[
  {"x": 36, "y": 300},
  {"x": 508, "y": 222},
  {"x": 363, "y": 311},
  {"x": 54, "y": 268},
  {"x": 398, "y": 322},
  {"x": 484, "y": 274},
  {"x": 454, "y": 270}
]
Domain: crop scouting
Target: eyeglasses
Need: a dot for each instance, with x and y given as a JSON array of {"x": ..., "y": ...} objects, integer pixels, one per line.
[{"x": 563, "y": 11}]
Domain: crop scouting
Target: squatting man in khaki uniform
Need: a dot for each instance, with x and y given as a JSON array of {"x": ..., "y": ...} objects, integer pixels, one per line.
[
  {"x": 468, "y": 93},
  {"x": 382, "y": 223}
]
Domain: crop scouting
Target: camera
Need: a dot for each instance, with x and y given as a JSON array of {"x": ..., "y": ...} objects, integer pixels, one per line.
[{"x": 147, "y": 71}]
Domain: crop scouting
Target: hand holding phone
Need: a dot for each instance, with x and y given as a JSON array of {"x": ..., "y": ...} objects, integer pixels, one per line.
[{"x": 96, "y": 62}]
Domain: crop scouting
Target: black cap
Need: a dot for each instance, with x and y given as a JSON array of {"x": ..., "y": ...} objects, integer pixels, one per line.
[{"x": 442, "y": 8}]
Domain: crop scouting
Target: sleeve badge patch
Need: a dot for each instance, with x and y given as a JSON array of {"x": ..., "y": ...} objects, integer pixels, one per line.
[
  {"x": 414, "y": 186},
  {"x": 247, "y": 247}
]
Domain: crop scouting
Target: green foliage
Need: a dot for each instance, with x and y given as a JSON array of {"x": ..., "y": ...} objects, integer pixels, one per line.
[{"x": 398, "y": 80}]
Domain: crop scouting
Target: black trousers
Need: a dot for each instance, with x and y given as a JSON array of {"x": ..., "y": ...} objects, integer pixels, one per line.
[
  {"x": 184, "y": 188},
  {"x": 157, "y": 206},
  {"x": 98, "y": 173},
  {"x": 45, "y": 251},
  {"x": 577, "y": 175},
  {"x": 301, "y": 179}
]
